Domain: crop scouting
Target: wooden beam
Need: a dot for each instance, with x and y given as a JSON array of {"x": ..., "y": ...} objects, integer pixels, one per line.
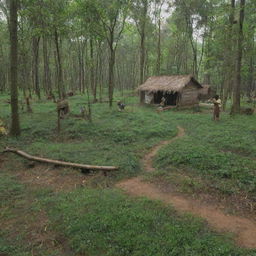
[{"x": 60, "y": 163}]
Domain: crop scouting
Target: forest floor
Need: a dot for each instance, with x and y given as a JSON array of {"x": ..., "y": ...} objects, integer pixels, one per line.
[
  {"x": 243, "y": 228},
  {"x": 204, "y": 168}
]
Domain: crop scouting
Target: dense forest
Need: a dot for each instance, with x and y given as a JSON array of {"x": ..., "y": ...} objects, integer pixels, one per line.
[
  {"x": 108, "y": 145},
  {"x": 89, "y": 46}
]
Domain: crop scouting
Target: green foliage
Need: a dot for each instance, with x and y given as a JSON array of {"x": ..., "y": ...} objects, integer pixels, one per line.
[
  {"x": 113, "y": 138},
  {"x": 107, "y": 222},
  {"x": 103, "y": 18},
  {"x": 222, "y": 152},
  {"x": 207, "y": 161}
]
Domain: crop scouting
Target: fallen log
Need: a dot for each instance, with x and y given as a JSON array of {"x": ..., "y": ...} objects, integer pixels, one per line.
[{"x": 60, "y": 163}]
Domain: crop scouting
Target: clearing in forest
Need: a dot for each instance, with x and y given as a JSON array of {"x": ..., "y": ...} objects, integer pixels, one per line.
[{"x": 77, "y": 214}]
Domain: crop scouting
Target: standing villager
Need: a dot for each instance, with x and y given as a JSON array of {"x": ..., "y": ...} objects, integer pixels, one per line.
[{"x": 216, "y": 110}]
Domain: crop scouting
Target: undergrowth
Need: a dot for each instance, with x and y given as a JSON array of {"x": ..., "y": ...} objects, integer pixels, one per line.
[{"x": 105, "y": 222}]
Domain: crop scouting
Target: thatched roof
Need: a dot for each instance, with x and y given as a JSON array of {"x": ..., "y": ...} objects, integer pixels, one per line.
[{"x": 168, "y": 83}]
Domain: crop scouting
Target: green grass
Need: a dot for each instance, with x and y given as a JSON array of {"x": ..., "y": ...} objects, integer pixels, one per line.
[
  {"x": 11, "y": 196},
  {"x": 105, "y": 222},
  {"x": 113, "y": 138},
  {"x": 223, "y": 152}
]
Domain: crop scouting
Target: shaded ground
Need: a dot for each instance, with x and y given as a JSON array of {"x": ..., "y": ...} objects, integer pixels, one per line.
[
  {"x": 243, "y": 229},
  {"x": 23, "y": 219}
]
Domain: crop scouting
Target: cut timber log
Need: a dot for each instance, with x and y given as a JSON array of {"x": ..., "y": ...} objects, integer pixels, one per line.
[{"x": 60, "y": 163}]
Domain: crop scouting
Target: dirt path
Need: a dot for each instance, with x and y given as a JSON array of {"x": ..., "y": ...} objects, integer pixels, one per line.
[
  {"x": 244, "y": 229},
  {"x": 147, "y": 161}
]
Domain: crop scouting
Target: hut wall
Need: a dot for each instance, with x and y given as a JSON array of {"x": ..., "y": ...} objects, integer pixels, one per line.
[
  {"x": 149, "y": 98},
  {"x": 189, "y": 95}
]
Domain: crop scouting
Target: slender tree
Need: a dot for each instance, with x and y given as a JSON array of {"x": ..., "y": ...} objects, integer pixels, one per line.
[
  {"x": 228, "y": 56},
  {"x": 237, "y": 84},
  {"x": 140, "y": 9},
  {"x": 15, "y": 125}
]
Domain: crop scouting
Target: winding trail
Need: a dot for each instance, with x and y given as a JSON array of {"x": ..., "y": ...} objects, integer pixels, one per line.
[
  {"x": 243, "y": 229},
  {"x": 147, "y": 161}
]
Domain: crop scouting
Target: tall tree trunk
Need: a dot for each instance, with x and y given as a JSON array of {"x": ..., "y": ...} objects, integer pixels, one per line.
[
  {"x": 142, "y": 58},
  {"x": 237, "y": 84},
  {"x": 35, "y": 42},
  {"x": 142, "y": 41},
  {"x": 15, "y": 125},
  {"x": 111, "y": 66},
  {"x": 207, "y": 75},
  {"x": 111, "y": 75},
  {"x": 79, "y": 53},
  {"x": 101, "y": 76},
  {"x": 158, "y": 22},
  {"x": 228, "y": 61},
  {"x": 83, "y": 85},
  {"x": 47, "y": 76},
  {"x": 61, "y": 88},
  {"x": 92, "y": 71},
  {"x": 158, "y": 62},
  {"x": 97, "y": 72}
]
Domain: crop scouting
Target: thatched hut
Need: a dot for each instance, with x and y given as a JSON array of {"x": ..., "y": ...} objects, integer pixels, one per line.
[{"x": 180, "y": 90}]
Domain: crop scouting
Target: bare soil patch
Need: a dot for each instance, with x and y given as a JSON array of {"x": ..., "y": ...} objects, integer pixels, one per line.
[
  {"x": 45, "y": 176},
  {"x": 57, "y": 179},
  {"x": 182, "y": 183},
  {"x": 36, "y": 231},
  {"x": 35, "y": 225}
]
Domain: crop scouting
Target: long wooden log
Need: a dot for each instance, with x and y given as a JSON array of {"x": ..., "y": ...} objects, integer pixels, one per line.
[{"x": 60, "y": 163}]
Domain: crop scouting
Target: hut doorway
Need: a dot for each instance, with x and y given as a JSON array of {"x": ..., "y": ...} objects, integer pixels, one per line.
[
  {"x": 157, "y": 97},
  {"x": 171, "y": 98}
]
